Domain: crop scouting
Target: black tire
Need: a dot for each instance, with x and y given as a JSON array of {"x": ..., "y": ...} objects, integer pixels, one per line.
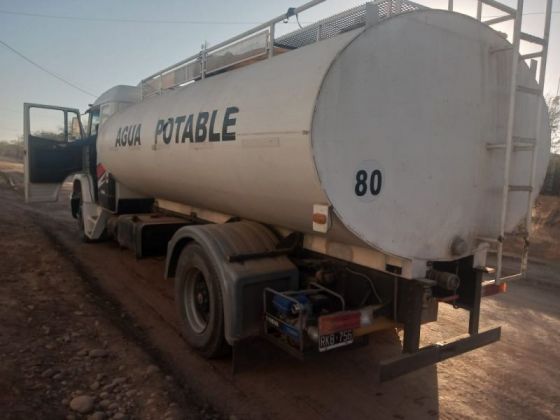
[
  {"x": 80, "y": 219},
  {"x": 198, "y": 297}
]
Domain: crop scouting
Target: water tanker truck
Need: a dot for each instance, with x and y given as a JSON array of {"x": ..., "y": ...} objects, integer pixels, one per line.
[{"x": 316, "y": 187}]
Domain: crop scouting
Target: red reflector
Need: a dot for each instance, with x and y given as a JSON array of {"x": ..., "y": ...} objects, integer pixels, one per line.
[
  {"x": 100, "y": 170},
  {"x": 339, "y": 321},
  {"x": 451, "y": 298},
  {"x": 493, "y": 289}
]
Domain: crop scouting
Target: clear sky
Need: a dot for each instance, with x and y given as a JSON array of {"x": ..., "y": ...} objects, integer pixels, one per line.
[{"x": 96, "y": 55}]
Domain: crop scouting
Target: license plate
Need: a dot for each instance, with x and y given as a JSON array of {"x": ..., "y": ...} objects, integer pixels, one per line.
[{"x": 334, "y": 340}]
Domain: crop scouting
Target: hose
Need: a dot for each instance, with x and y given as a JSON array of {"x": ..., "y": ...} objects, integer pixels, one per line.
[{"x": 370, "y": 281}]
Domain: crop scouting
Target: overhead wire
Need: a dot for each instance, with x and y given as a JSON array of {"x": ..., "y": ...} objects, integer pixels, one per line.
[
  {"x": 49, "y": 72},
  {"x": 129, "y": 20},
  {"x": 169, "y": 21}
]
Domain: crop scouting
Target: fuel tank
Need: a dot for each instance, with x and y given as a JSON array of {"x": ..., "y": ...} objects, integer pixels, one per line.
[{"x": 389, "y": 125}]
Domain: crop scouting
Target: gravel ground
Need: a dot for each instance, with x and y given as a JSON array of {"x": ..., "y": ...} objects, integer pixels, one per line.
[{"x": 64, "y": 346}]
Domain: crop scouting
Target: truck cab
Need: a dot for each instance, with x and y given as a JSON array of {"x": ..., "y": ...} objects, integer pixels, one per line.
[{"x": 58, "y": 144}]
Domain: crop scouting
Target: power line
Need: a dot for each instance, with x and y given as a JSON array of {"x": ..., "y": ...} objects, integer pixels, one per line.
[
  {"x": 123, "y": 20},
  {"x": 126, "y": 20},
  {"x": 47, "y": 70},
  {"x": 167, "y": 21}
]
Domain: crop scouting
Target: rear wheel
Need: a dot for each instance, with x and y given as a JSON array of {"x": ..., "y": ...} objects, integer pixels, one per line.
[{"x": 199, "y": 301}]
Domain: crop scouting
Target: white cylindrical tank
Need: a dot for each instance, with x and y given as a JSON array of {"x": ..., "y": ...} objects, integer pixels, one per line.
[{"x": 387, "y": 124}]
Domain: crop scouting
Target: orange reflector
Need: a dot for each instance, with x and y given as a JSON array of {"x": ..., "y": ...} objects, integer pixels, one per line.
[
  {"x": 339, "y": 321},
  {"x": 319, "y": 218}
]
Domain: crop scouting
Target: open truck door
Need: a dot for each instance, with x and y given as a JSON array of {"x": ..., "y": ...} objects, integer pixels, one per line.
[{"x": 53, "y": 149}]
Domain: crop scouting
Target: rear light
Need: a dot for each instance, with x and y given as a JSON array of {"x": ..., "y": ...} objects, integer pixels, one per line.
[{"x": 339, "y": 321}]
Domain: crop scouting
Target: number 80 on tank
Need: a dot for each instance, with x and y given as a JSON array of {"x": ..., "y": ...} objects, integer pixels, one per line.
[{"x": 368, "y": 180}]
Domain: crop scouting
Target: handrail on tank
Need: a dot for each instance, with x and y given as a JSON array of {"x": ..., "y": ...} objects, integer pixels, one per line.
[
  {"x": 193, "y": 71},
  {"x": 269, "y": 24},
  {"x": 197, "y": 66}
]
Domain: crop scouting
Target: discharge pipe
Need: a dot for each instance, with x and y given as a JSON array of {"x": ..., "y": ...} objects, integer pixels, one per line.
[{"x": 448, "y": 281}]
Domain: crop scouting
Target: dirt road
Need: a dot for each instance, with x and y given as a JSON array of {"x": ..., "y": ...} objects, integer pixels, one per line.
[
  {"x": 515, "y": 378},
  {"x": 63, "y": 353}
]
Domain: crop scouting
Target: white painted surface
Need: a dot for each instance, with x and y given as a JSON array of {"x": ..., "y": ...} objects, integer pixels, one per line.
[
  {"x": 417, "y": 98},
  {"x": 267, "y": 174},
  {"x": 417, "y": 95}
]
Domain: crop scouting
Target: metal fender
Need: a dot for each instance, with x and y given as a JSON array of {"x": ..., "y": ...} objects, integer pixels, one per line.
[{"x": 242, "y": 283}]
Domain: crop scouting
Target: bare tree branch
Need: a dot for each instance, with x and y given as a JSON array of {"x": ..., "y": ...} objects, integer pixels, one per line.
[{"x": 553, "y": 103}]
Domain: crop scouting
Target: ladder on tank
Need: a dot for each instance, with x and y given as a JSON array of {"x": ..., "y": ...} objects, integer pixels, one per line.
[{"x": 513, "y": 143}]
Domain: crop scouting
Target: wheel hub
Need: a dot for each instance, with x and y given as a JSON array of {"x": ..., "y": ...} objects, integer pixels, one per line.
[{"x": 197, "y": 300}]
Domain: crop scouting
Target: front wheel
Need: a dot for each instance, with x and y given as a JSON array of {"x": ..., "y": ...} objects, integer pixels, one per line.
[
  {"x": 199, "y": 301},
  {"x": 80, "y": 217}
]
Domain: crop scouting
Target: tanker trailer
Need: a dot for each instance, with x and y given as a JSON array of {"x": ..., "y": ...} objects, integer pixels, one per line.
[{"x": 316, "y": 187}]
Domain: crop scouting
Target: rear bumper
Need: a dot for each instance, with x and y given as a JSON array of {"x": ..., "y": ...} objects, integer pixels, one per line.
[{"x": 408, "y": 362}]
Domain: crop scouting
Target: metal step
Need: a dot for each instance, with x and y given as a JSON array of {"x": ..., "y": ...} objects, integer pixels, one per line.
[
  {"x": 529, "y": 90},
  {"x": 492, "y": 270},
  {"x": 511, "y": 277},
  {"x": 537, "y": 54},
  {"x": 524, "y": 188},
  {"x": 518, "y": 233},
  {"x": 532, "y": 38},
  {"x": 500, "y": 19},
  {"x": 497, "y": 50},
  {"x": 499, "y": 6},
  {"x": 519, "y": 144},
  {"x": 488, "y": 239}
]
